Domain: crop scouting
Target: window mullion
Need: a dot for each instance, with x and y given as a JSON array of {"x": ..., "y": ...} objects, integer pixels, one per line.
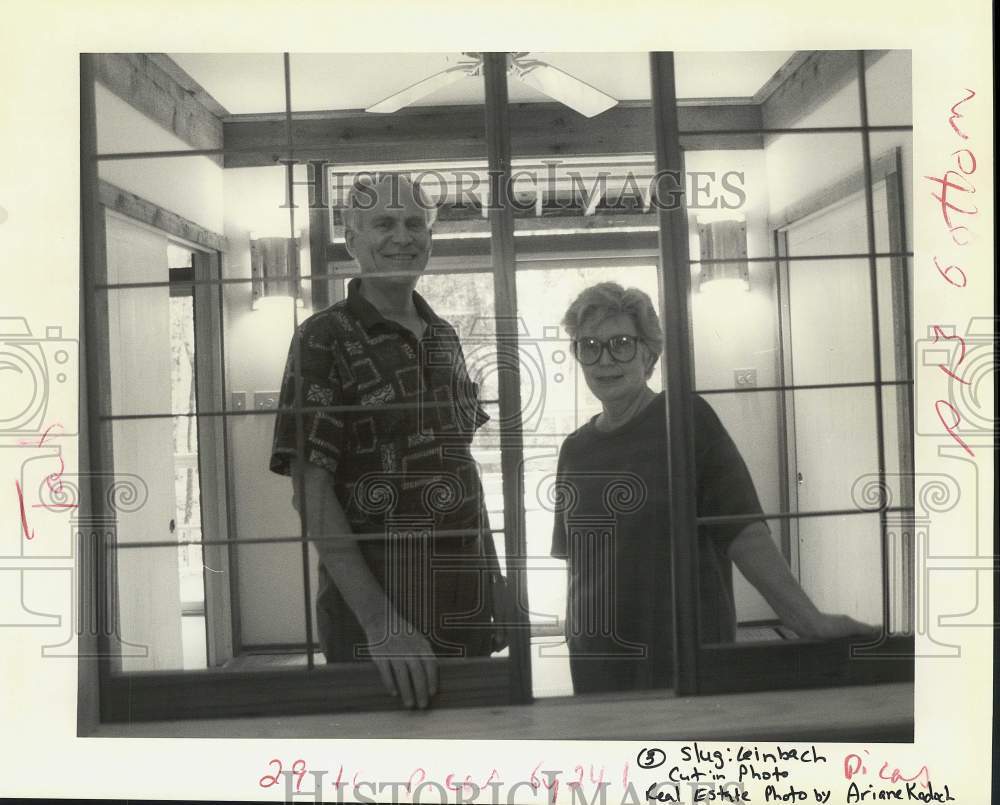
[
  {"x": 505, "y": 299},
  {"x": 677, "y": 360}
]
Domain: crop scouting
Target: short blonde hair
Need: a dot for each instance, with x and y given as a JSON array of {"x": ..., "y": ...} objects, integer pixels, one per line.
[
  {"x": 365, "y": 184},
  {"x": 610, "y": 299}
]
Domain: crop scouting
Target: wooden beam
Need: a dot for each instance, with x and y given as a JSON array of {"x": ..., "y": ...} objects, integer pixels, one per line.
[
  {"x": 807, "y": 82},
  {"x": 859, "y": 713},
  {"x": 126, "y": 203},
  {"x": 456, "y": 133},
  {"x": 188, "y": 84},
  {"x": 781, "y": 75},
  {"x": 139, "y": 81}
]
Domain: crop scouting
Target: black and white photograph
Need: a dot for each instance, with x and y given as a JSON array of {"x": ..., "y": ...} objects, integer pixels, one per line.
[
  {"x": 501, "y": 378},
  {"x": 509, "y": 399}
]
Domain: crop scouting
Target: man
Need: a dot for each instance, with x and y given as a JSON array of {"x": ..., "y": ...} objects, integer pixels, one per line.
[{"x": 392, "y": 464}]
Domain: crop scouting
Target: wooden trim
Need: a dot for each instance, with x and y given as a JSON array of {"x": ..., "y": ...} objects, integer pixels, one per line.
[
  {"x": 808, "y": 82},
  {"x": 139, "y": 81},
  {"x": 209, "y": 373},
  {"x": 188, "y": 84},
  {"x": 788, "y": 488},
  {"x": 133, "y": 206},
  {"x": 801, "y": 664},
  {"x": 92, "y": 256},
  {"x": 679, "y": 378},
  {"x": 783, "y": 74},
  {"x": 456, "y": 133},
  {"x": 902, "y": 308},
  {"x": 501, "y": 218},
  {"x": 585, "y": 243},
  {"x": 340, "y": 688}
]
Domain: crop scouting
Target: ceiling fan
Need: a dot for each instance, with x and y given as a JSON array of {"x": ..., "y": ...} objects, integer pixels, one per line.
[{"x": 551, "y": 81}]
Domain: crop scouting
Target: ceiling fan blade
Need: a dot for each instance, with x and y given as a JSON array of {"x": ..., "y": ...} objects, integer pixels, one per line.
[
  {"x": 421, "y": 89},
  {"x": 566, "y": 89}
]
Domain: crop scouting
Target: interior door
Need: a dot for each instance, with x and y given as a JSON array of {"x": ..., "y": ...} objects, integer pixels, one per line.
[
  {"x": 832, "y": 431},
  {"x": 148, "y": 588}
]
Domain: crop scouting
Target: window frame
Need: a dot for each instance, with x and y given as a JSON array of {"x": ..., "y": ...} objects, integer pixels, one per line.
[{"x": 699, "y": 669}]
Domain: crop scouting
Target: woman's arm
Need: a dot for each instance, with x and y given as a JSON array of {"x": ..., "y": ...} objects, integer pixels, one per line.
[{"x": 757, "y": 557}]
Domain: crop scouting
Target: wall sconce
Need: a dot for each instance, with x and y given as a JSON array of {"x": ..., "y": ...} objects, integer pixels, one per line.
[
  {"x": 274, "y": 270},
  {"x": 727, "y": 241}
]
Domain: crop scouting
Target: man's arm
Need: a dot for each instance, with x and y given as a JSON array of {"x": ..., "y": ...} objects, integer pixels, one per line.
[
  {"x": 757, "y": 557},
  {"x": 405, "y": 660}
]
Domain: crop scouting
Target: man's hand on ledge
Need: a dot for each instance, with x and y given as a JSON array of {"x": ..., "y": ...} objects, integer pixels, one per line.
[
  {"x": 408, "y": 667},
  {"x": 823, "y": 626}
]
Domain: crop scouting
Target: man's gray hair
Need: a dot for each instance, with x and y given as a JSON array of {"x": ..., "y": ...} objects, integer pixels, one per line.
[
  {"x": 610, "y": 299},
  {"x": 366, "y": 184}
]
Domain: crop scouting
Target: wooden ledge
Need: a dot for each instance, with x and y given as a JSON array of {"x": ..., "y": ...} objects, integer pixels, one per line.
[{"x": 868, "y": 713}]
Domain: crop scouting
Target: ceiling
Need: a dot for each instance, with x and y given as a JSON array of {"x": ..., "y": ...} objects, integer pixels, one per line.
[{"x": 249, "y": 83}]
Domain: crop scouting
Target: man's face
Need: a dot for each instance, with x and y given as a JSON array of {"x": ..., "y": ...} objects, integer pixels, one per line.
[{"x": 392, "y": 238}]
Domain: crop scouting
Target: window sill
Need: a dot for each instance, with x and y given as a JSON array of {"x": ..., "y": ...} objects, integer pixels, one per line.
[{"x": 882, "y": 712}]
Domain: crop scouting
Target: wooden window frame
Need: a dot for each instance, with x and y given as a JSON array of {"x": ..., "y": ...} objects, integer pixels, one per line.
[{"x": 487, "y": 681}]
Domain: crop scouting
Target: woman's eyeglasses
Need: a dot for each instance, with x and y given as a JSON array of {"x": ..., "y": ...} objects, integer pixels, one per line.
[{"x": 621, "y": 348}]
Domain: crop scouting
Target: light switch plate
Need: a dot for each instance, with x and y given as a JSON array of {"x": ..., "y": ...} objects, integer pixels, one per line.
[
  {"x": 265, "y": 400},
  {"x": 238, "y": 401},
  {"x": 745, "y": 378}
]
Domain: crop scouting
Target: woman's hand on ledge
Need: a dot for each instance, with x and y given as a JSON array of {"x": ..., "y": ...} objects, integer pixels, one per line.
[{"x": 823, "y": 626}]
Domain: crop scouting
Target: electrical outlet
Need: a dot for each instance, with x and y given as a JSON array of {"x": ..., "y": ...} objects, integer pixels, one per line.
[
  {"x": 745, "y": 378},
  {"x": 239, "y": 401},
  {"x": 265, "y": 400}
]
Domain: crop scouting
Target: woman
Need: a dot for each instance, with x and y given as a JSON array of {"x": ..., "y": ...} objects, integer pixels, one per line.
[{"x": 610, "y": 523}]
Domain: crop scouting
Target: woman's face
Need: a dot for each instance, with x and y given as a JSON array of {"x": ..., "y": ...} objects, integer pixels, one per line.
[{"x": 608, "y": 379}]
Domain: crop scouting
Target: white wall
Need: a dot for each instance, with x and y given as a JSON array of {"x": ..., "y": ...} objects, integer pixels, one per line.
[
  {"x": 270, "y": 576},
  {"x": 188, "y": 186}
]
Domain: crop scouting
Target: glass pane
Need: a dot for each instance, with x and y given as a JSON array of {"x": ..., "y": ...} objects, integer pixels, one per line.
[
  {"x": 157, "y": 587},
  {"x": 554, "y": 396},
  {"x": 827, "y": 423},
  {"x": 735, "y": 333},
  {"x": 271, "y": 614},
  {"x": 828, "y": 338},
  {"x": 815, "y": 186},
  {"x": 582, "y": 163},
  {"x": 756, "y": 620},
  {"x": 889, "y": 84},
  {"x": 795, "y": 89},
  {"x": 466, "y": 302},
  {"x": 840, "y": 565},
  {"x": 732, "y": 74},
  {"x": 727, "y": 203},
  {"x": 318, "y": 81},
  {"x": 243, "y": 83}
]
